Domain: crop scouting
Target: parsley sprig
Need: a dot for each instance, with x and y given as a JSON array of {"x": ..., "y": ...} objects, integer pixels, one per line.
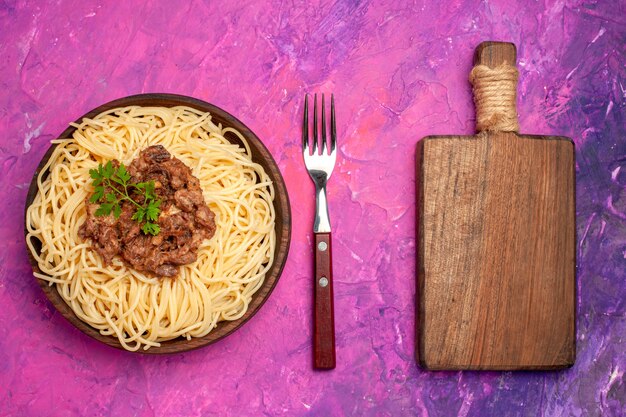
[{"x": 112, "y": 186}]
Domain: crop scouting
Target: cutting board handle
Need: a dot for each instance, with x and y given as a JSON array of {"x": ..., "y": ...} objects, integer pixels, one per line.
[{"x": 494, "y": 80}]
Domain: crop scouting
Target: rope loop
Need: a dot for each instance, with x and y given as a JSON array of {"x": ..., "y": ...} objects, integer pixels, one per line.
[{"x": 495, "y": 96}]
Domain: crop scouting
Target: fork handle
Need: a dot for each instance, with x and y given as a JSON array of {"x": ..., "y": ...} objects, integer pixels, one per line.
[{"x": 324, "y": 319}]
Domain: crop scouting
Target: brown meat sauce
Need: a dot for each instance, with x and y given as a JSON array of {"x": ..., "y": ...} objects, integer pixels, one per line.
[{"x": 185, "y": 218}]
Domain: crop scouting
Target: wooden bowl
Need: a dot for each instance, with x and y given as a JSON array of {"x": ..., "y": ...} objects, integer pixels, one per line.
[{"x": 260, "y": 155}]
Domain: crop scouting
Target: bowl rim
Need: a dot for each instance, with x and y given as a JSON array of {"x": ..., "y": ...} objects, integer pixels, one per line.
[{"x": 282, "y": 227}]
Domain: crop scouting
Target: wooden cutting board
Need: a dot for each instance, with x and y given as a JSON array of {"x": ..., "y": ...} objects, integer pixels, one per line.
[{"x": 496, "y": 254}]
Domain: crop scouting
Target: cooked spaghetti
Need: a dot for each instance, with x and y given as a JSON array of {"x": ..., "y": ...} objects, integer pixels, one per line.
[{"x": 142, "y": 310}]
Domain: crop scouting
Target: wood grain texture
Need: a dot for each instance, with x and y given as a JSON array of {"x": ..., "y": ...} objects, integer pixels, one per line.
[
  {"x": 496, "y": 253},
  {"x": 260, "y": 155},
  {"x": 324, "y": 316},
  {"x": 493, "y": 54}
]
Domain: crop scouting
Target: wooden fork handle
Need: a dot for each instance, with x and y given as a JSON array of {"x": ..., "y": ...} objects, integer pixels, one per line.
[{"x": 324, "y": 319}]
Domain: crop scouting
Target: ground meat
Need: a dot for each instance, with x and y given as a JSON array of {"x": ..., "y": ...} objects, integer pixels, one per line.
[{"x": 185, "y": 219}]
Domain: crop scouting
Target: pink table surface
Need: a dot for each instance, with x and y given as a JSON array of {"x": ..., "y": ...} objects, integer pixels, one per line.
[{"x": 399, "y": 72}]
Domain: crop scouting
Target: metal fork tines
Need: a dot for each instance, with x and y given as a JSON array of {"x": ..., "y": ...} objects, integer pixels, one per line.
[{"x": 319, "y": 159}]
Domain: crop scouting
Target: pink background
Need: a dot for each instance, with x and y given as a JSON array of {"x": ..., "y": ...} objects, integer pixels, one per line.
[{"x": 399, "y": 72}]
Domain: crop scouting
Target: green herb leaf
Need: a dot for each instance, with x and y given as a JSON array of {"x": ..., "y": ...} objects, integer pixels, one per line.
[
  {"x": 152, "y": 211},
  {"x": 104, "y": 209},
  {"x": 94, "y": 174},
  {"x": 150, "y": 190},
  {"x": 123, "y": 174},
  {"x": 117, "y": 211},
  {"x": 110, "y": 197},
  {"x": 139, "y": 214},
  {"x": 97, "y": 194},
  {"x": 107, "y": 171},
  {"x": 151, "y": 228}
]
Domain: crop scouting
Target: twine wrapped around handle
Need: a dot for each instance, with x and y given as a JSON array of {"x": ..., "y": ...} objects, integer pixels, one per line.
[{"x": 495, "y": 96}]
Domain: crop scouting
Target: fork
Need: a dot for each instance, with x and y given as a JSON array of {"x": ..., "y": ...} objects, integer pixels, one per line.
[{"x": 320, "y": 161}]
